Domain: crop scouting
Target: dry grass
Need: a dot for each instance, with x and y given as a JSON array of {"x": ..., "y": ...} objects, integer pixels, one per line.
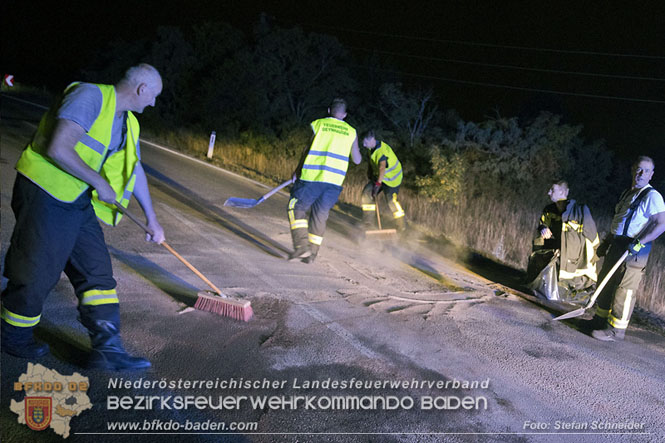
[
  {"x": 250, "y": 160},
  {"x": 651, "y": 292},
  {"x": 498, "y": 228}
]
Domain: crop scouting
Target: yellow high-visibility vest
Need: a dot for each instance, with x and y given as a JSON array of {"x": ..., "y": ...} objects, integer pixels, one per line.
[
  {"x": 393, "y": 175},
  {"x": 118, "y": 170},
  {"x": 328, "y": 158}
]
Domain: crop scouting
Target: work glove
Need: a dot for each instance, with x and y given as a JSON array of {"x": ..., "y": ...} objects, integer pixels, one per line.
[
  {"x": 376, "y": 189},
  {"x": 635, "y": 246},
  {"x": 546, "y": 233},
  {"x": 602, "y": 248}
]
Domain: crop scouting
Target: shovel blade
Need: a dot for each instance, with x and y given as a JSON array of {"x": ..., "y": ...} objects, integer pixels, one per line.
[
  {"x": 236, "y": 202},
  {"x": 572, "y": 314}
]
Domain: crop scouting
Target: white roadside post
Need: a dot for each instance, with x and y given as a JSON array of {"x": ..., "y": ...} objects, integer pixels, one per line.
[{"x": 211, "y": 145}]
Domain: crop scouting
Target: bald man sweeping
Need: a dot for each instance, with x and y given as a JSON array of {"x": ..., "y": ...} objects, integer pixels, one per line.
[{"x": 84, "y": 156}]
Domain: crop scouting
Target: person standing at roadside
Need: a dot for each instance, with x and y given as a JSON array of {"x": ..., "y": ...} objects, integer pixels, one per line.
[
  {"x": 639, "y": 219},
  {"x": 566, "y": 226}
]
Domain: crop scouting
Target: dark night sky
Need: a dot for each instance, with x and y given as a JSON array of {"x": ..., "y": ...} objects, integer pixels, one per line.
[{"x": 49, "y": 44}]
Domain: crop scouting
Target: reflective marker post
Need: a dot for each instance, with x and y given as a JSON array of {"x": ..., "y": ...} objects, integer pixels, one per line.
[{"x": 211, "y": 145}]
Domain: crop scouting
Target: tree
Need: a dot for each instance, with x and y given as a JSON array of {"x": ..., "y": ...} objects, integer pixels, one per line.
[
  {"x": 221, "y": 89},
  {"x": 445, "y": 182},
  {"x": 409, "y": 112},
  {"x": 173, "y": 56},
  {"x": 300, "y": 72},
  {"x": 503, "y": 151}
]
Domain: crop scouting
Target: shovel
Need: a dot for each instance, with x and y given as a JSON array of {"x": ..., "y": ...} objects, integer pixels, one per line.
[
  {"x": 596, "y": 293},
  {"x": 236, "y": 202}
]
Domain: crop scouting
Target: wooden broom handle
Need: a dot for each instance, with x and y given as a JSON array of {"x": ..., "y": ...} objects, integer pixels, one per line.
[
  {"x": 378, "y": 217},
  {"x": 191, "y": 267}
]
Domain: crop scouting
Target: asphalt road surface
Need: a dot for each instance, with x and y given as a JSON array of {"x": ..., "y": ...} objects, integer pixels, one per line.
[{"x": 371, "y": 342}]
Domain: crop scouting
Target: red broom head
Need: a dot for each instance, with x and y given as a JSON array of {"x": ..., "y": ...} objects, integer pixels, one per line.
[{"x": 236, "y": 309}]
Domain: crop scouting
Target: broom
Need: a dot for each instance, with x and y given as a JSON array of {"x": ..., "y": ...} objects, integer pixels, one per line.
[
  {"x": 387, "y": 233},
  {"x": 205, "y": 301}
]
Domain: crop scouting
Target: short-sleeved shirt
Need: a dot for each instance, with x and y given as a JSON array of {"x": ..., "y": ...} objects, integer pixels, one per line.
[
  {"x": 651, "y": 204},
  {"x": 82, "y": 105}
]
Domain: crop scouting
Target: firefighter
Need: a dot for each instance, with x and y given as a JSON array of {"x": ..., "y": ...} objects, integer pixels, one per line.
[
  {"x": 385, "y": 173},
  {"x": 568, "y": 227},
  {"x": 319, "y": 177},
  {"x": 83, "y": 157},
  {"x": 639, "y": 219}
]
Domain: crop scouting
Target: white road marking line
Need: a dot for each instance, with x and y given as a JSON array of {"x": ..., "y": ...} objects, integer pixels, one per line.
[
  {"x": 194, "y": 227},
  {"x": 25, "y": 101},
  {"x": 182, "y": 219},
  {"x": 196, "y": 160},
  {"x": 340, "y": 331}
]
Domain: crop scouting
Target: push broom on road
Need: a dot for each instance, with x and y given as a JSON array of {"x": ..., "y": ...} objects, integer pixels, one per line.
[
  {"x": 218, "y": 304},
  {"x": 386, "y": 234}
]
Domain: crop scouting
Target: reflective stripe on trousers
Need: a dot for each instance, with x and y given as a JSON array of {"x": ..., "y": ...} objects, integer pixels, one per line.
[
  {"x": 617, "y": 301},
  {"x": 368, "y": 203},
  {"x": 19, "y": 320},
  {"x": 293, "y": 221},
  {"x": 314, "y": 198},
  {"x": 59, "y": 236}
]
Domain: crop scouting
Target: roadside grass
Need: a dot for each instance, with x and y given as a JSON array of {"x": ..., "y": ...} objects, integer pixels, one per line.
[{"x": 498, "y": 228}]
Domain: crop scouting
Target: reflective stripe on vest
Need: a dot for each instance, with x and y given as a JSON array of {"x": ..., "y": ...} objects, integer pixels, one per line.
[
  {"x": 572, "y": 225},
  {"x": 118, "y": 169},
  {"x": 588, "y": 267},
  {"x": 328, "y": 158},
  {"x": 393, "y": 174}
]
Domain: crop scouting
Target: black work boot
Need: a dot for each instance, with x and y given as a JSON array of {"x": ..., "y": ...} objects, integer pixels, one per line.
[
  {"x": 300, "y": 252},
  {"x": 300, "y": 243},
  {"x": 314, "y": 251},
  {"x": 20, "y": 342},
  {"x": 594, "y": 324},
  {"x": 309, "y": 259},
  {"x": 609, "y": 334},
  {"x": 300, "y": 239},
  {"x": 107, "y": 350}
]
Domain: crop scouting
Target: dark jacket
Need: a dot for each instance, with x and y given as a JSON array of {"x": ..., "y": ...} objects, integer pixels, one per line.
[{"x": 575, "y": 234}]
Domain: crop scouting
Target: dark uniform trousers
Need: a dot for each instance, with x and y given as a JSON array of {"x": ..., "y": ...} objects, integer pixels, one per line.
[
  {"x": 51, "y": 236},
  {"x": 317, "y": 199},
  {"x": 617, "y": 300},
  {"x": 369, "y": 204}
]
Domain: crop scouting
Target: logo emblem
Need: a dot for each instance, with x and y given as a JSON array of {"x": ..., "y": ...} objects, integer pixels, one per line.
[{"x": 38, "y": 412}]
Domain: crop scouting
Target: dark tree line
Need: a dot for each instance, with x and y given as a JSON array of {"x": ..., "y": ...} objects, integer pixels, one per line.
[{"x": 273, "y": 82}]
